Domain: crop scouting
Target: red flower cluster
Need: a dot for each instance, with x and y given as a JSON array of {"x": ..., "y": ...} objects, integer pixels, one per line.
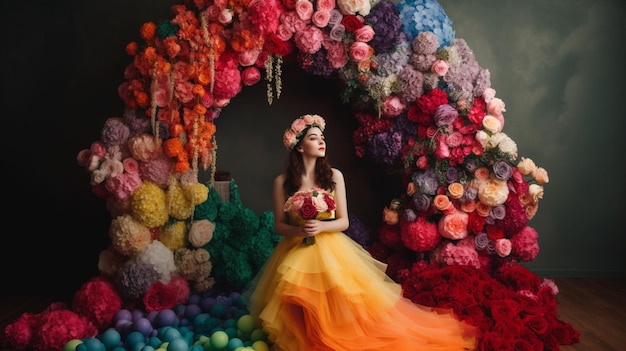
[{"x": 514, "y": 308}]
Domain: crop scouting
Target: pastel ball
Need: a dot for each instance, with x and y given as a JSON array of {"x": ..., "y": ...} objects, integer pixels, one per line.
[
  {"x": 72, "y": 345},
  {"x": 179, "y": 344},
  {"x": 192, "y": 311},
  {"x": 123, "y": 314},
  {"x": 260, "y": 346},
  {"x": 134, "y": 338},
  {"x": 194, "y": 299},
  {"x": 218, "y": 310},
  {"x": 91, "y": 344},
  {"x": 207, "y": 303},
  {"x": 166, "y": 317},
  {"x": 171, "y": 334},
  {"x": 137, "y": 313},
  {"x": 233, "y": 344},
  {"x": 143, "y": 326},
  {"x": 110, "y": 338},
  {"x": 258, "y": 334},
  {"x": 219, "y": 340},
  {"x": 232, "y": 332},
  {"x": 246, "y": 323}
]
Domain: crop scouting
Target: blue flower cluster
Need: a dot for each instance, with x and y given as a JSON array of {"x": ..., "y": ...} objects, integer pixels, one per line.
[{"x": 425, "y": 15}]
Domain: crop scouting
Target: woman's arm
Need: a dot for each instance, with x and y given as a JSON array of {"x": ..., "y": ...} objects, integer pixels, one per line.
[{"x": 280, "y": 218}]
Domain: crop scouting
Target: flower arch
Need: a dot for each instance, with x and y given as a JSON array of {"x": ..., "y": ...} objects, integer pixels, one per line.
[{"x": 425, "y": 109}]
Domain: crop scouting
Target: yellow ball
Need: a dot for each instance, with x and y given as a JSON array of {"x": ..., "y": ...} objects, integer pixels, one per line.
[
  {"x": 246, "y": 323},
  {"x": 72, "y": 344},
  {"x": 260, "y": 345}
]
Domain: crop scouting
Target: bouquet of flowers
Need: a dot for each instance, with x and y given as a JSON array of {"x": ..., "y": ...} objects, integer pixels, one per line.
[{"x": 314, "y": 203}]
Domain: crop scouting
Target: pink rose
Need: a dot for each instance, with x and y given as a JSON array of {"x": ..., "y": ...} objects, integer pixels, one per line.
[
  {"x": 326, "y": 5},
  {"x": 496, "y": 106},
  {"x": 298, "y": 125},
  {"x": 364, "y": 34},
  {"x": 284, "y": 32},
  {"x": 440, "y": 68},
  {"x": 321, "y": 18},
  {"x": 225, "y": 17},
  {"x": 392, "y": 106},
  {"x": 304, "y": 9},
  {"x": 454, "y": 139},
  {"x": 503, "y": 247},
  {"x": 212, "y": 12},
  {"x": 359, "y": 51},
  {"x": 248, "y": 57},
  {"x": 98, "y": 149},
  {"x": 183, "y": 91},
  {"x": 453, "y": 226},
  {"x": 83, "y": 157},
  {"x": 131, "y": 165},
  {"x": 250, "y": 76}
]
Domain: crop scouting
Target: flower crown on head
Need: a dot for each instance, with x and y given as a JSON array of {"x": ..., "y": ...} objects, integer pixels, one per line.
[{"x": 299, "y": 126}]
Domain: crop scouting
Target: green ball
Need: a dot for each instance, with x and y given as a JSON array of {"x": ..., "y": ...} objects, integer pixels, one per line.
[
  {"x": 258, "y": 334},
  {"x": 246, "y": 323},
  {"x": 72, "y": 344},
  {"x": 219, "y": 340}
]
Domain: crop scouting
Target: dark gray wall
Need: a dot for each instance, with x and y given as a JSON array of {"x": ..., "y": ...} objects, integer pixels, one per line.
[{"x": 558, "y": 65}]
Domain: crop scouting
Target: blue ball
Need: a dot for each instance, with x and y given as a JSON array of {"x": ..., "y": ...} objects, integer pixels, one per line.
[
  {"x": 218, "y": 310},
  {"x": 179, "y": 344},
  {"x": 110, "y": 338},
  {"x": 234, "y": 343},
  {"x": 171, "y": 334},
  {"x": 134, "y": 338}
]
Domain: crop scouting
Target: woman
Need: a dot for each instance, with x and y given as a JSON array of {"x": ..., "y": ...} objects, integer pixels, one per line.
[{"x": 330, "y": 294}]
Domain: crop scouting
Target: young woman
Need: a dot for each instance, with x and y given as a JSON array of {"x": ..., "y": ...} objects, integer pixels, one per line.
[{"x": 322, "y": 291}]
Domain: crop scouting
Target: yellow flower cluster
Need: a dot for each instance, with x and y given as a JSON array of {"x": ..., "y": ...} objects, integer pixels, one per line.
[
  {"x": 181, "y": 201},
  {"x": 173, "y": 235},
  {"x": 149, "y": 206}
]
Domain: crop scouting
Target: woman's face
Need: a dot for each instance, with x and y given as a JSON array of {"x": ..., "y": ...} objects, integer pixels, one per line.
[{"x": 313, "y": 143}]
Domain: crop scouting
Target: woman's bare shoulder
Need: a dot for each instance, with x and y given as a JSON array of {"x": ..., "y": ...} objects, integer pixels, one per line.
[{"x": 337, "y": 173}]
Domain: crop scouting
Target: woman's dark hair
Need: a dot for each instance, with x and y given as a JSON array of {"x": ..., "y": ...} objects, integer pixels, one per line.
[{"x": 294, "y": 168}]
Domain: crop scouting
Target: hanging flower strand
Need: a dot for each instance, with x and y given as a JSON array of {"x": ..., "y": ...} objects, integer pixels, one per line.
[{"x": 269, "y": 76}]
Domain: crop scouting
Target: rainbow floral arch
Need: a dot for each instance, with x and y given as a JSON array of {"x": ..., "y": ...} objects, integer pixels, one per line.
[{"x": 426, "y": 111}]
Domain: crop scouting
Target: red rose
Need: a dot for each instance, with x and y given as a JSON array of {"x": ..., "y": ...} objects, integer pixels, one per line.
[
  {"x": 495, "y": 342},
  {"x": 329, "y": 201},
  {"x": 308, "y": 209},
  {"x": 351, "y": 22},
  {"x": 275, "y": 45},
  {"x": 536, "y": 323}
]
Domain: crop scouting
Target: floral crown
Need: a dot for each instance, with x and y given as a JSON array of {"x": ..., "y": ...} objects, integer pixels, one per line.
[{"x": 299, "y": 126}]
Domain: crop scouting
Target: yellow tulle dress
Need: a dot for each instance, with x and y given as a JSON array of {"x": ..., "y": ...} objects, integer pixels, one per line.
[{"x": 333, "y": 295}]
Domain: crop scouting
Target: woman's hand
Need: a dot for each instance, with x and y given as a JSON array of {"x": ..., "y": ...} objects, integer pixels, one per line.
[{"x": 312, "y": 227}]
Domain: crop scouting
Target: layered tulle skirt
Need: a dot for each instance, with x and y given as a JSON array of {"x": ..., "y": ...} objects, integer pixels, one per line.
[{"x": 333, "y": 295}]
